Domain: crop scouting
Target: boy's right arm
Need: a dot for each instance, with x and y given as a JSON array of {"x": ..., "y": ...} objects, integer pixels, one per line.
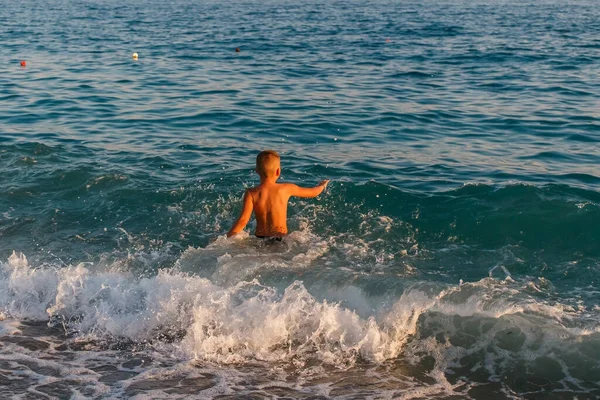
[
  {"x": 298, "y": 191},
  {"x": 244, "y": 217}
]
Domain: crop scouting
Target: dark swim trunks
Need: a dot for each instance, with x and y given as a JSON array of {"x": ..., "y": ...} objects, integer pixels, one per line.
[{"x": 271, "y": 238}]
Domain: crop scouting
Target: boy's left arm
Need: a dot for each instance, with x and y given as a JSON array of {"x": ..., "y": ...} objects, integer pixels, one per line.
[
  {"x": 295, "y": 190},
  {"x": 244, "y": 217}
]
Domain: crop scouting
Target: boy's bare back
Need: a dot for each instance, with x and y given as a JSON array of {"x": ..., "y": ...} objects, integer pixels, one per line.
[{"x": 269, "y": 199}]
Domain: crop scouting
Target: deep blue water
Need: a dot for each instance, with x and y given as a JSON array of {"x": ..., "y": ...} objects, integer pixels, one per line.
[{"x": 456, "y": 251}]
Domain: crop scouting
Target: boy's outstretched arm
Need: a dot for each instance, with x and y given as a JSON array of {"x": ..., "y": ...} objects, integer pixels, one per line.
[
  {"x": 244, "y": 217},
  {"x": 298, "y": 191}
]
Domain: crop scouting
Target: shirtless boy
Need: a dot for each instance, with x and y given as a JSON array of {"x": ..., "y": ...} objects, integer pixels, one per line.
[{"x": 269, "y": 199}]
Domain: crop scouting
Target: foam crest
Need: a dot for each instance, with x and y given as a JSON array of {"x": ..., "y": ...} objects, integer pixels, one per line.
[
  {"x": 111, "y": 303},
  {"x": 26, "y": 292},
  {"x": 226, "y": 324},
  {"x": 250, "y": 321},
  {"x": 295, "y": 326}
]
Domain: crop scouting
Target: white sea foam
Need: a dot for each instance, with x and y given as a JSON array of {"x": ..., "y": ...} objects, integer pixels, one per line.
[
  {"x": 226, "y": 324},
  {"x": 245, "y": 321}
]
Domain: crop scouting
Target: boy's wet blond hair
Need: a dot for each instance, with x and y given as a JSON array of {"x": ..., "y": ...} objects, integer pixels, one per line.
[{"x": 267, "y": 162}]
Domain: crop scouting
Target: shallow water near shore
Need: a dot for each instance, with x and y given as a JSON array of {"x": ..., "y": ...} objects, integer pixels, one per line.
[{"x": 455, "y": 254}]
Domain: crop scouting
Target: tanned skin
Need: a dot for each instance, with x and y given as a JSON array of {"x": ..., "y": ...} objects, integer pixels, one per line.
[{"x": 269, "y": 202}]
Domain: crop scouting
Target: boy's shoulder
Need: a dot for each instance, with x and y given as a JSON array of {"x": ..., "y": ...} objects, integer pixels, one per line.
[
  {"x": 276, "y": 186},
  {"x": 285, "y": 186}
]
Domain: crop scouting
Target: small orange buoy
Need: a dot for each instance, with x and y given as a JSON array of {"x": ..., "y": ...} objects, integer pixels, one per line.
[
  {"x": 23, "y": 63},
  {"x": 388, "y": 40}
]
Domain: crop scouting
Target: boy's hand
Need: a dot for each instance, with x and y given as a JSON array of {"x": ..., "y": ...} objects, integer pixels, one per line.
[{"x": 323, "y": 183}]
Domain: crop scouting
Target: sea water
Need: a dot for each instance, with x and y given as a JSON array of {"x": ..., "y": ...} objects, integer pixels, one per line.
[{"x": 455, "y": 254}]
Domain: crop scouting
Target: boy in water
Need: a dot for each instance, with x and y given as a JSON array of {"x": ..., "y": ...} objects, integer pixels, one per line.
[{"x": 269, "y": 199}]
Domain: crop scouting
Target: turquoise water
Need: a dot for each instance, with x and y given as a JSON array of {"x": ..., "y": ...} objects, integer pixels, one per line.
[{"x": 455, "y": 253}]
